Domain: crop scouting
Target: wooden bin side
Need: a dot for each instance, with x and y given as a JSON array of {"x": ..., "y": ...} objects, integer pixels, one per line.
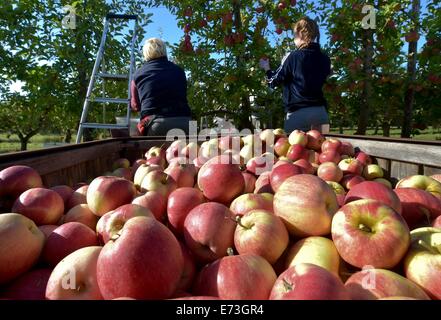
[{"x": 400, "y": 157}]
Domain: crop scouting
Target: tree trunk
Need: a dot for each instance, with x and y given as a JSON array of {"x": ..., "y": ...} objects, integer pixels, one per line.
[
  {"x": 68, "y": 136},
  {"x": 386, "y": 128},
  {"x": 366, "y": 105},
  {"x": 406, "y": 130},
  {"x": 24, "y": 140},
  {"x": 377, "y": 127}
]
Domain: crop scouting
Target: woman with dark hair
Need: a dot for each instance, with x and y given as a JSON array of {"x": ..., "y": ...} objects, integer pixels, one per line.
[{"x": 302, "y": 74}]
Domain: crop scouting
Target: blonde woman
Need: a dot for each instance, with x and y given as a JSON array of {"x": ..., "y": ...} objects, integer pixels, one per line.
[
  {"x": 302, "y": 74},
  {"x": 159, "y": 92}
]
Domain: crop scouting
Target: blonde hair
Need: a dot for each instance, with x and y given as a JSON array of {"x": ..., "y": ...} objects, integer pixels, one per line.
[
  {"x": 308, "y": 29},
  {"x": 154, "y": 48}
]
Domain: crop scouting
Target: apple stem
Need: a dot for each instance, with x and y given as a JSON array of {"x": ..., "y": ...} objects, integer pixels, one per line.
[
  {"x": 287, "y": 285},
  {"x": 239, "y": 222},
  {"x": 230, "y": 251},
  {"x": 424, "y": 244}
]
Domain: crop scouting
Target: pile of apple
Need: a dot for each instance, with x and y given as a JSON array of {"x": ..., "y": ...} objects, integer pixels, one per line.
[{"x": 313, "y": 218}]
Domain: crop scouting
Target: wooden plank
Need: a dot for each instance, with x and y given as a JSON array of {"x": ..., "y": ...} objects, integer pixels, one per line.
[
  {"x": 402, "y": 152},
  {"x": 400, "y": 170},
  {"x": 428, "y": 171}
]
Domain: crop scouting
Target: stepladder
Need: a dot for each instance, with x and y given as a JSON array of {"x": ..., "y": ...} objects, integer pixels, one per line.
[{"x": 99, "y": 72}]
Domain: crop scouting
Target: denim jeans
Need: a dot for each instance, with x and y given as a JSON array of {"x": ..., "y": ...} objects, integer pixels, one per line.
[{"x": 306, "y": 119}]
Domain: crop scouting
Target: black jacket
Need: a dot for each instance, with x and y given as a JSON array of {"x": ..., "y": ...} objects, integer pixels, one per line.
[
  {"x": 159, "y": 88},
  {"x": 302, "y": 73}
]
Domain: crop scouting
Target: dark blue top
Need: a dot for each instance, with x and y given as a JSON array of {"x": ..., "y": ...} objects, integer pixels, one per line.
[
  {"x": 160, "y": 87},
  {"x": 302, "y": 73}
]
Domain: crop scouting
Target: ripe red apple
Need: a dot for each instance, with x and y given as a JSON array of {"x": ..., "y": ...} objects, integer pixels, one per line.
[
  {"x": 331, "y": 144},
  {"x": 151, "y": 259},
  {"x": 296, "y": 152},
  {"x": 346, "y": 148},
  {"x": 330, "y": 156},
  {"x": 263, "y": 183},
  {"x": 351, "y": 180},
  {"x": 209, "y": 231},
  {"x": 75, "y": 277},
  {"x": 125, "y": 173},
  {"x": 175, "y": 149},
  {"x": 180, "y": 203},
  {"x": 329, "y": 171},
  {"x": 364, "y": 158},
  {"x": 307, "y": 281},
  {"x": 21, "y": 245},
  {"x": 155, "y": 201},
  {"x": 422, "y": 263},
  {"x": 183, "y": 174},
  {"x": 240, "y": 277},
  {"x": 142, "y": 171},
  {"x": 262, "y": 233},
  {"x": 66, "y": 239},
  {"x": 251, "y": 201},
  {"x": 376, "y": 191},
  {"x": 157, "y": 161},
  {"x": 351, "y": 165},
  {"x": 158, "y": 181},
  {"x": 281, "y": 147},
  {"x": 368, "y": 232},
  {"x": 298, "y": 137},
  {"x": 136, "y": 164},
  {"x": 114, "y": 221},
  {"x": 421, "y": 182},
  {"x": 220, "y": 171},
  {"x": 81, "y": 213},
  {"x": 437, "y": 177},
  {"x": 315, "y": 140},
  {"x": 419, "y": 206},
  {"x": 280, "y": 173},
  {"x": 47, "y": 229},
  {"x": 43, "y": 206},
  {"x": 79, "y": 196},
  {"x": 437, "y": 223},
  {"x": 260, "y": 164},
  {"x": 108, "y": 193},
  {"x": 373, "y": 284},
  {"x": 305, "y": 165},
  {"x": 29, "y": 286},
  {"x": 18, "y": 179},
  {"x": 230, "y": 143},
  {"x": 306, "y": 205},
  {"x": 250, "y": 182},
  {"x": 65, "y": 192},
  {"x": 189, "y": 270}
]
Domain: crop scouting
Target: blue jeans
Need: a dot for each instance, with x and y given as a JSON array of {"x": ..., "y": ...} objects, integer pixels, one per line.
[{"x": 306, "y": 119}]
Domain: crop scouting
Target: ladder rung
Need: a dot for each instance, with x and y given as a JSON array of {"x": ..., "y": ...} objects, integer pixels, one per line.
[
  {"x": 104, "y": 126},
  {"x": 121, "y": 16},
  {"x": 110, "y": 100},
  {"x": 113, "y": 76}
]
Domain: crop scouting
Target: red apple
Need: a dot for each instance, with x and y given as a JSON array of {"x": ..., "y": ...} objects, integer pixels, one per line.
[
  {"x": 315, "y": 140},
  {"x": 209, "y": 231},
  {"x": 81, "y": 213},
  {"x": 175, "y": 149},
  {"x": 41, "y": 205},
  {"x": 260, "y": 164},
  {"x": 296, "y": 152},
  {"x": 307, "y": 281},
  {"x": 306, "y": 205},
  {"x": 65, "y": 192},
  {"x": 241, "y": 277},
  {"x": 108, "y": 193},
  {"x": 21, "y": 245},
  {"x": 331, "y": 144},
  {"x": 18, "y": 179},
  {"x": 190, "y": 151},
  {"x": 158, "y": 181},
  {"x": 66, "y": 239},
  {"x": 29, "y": 286},
  {"x": 125, "y": 173},
  {"x": 114, "y": 220},
  {"x": 364, "y": 158},
  {"x": 281, "y": 147},
  {"x": 373, "y": 284},
  {"x": 250, "y": 182},
  {"x": 305, "y": 165},
  {"x": 157, "y": 161},
  {"x": 419, "y": 206},
  {"x": 263, "y": 183},
  {"x": 329, "y": 171},
  {"x": 298, "y": 137},
  {"x": 346, "y": 148},
  {"x": 330, "y": 156},
  {"x": 376, "y": 191},
  {"x": 280, "y": 173},
  {"x": 437, "y": 177},
  {"x": 262, "y": 233},
  {"x": 421, "y": 182},
  {"x": 372, "y": 171},
  {"x": 155, "y": 201},
  {"x": 180, "y": 203},
  {"x": 351, "y": 165},
  {"x": 351, "y": 180},
  {"x": 136, "y": 164},
  {"x": 220, "y": 171},
  {"x": 142, "y": 171},
  {"x": 47, "y": 229},
  {"x": 79, "y": 196},
  {"x": 183, "y": 174},
  {"x": 189, "y": 271},
  {"x": 368, "y": 232},
  {"x": 230, "y": 143},
  {"x": 155, "y": 151},
  {"x": 251, "y": 201},
  {"x": 143, "y": 261},
  {"x": 437, "y": 223},
  {"x": 75, "y": 277}
]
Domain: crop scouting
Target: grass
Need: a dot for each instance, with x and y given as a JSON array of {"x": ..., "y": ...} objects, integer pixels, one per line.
[{"x": 11, "y": 143}]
